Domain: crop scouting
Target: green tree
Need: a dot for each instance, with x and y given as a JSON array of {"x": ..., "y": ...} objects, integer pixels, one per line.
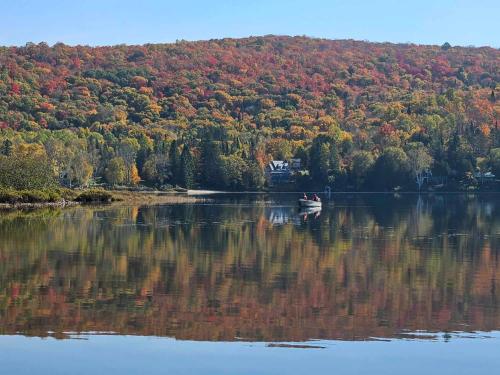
[
  {"x": 232, "y": 168},
  {"x": 494, "y": 161},
  {"x": 6, "y": 147},
  {"x": 446, "y": 46},
  {"x": 460, "y": 157},
  {"x": 24, "y": 172},
  {"x": 127, "y": 150},
  {"x": 149, "y": 170},
  {"x": 82, "y": 171},
  {"x": 324, "y": 160},
  {"x": 253, "y": 176},
  {"x": 211, "y": 164},
  {"x": 116, "y": 171},
  {"x": 390, "y": 169},
  {"x": 174, "y": 159},
  {"x": 362, "y": 162},
  {"x": 302, "y": 154},
  {"x": 187, "y": 168}
]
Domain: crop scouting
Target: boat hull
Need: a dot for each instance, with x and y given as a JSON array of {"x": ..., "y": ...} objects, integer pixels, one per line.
[{"x": 309, "y": 203}]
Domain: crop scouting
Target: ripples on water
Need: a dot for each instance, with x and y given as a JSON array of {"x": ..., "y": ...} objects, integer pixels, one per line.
[{"x": 254, "y": 268}]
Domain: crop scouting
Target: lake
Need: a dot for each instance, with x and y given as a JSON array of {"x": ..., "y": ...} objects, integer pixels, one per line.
[{"x": 249, "y": 284}]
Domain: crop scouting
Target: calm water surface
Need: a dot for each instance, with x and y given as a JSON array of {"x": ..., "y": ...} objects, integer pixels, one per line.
[{"x": 248, "y": 284}]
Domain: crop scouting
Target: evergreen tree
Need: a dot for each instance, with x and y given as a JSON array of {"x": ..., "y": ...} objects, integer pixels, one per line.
[
  {"x": 187, "y": 168},
  {"x": 173, "y": 157},
  {"x": 7, "y": 147},
  {"x": 210, "y": 164}
]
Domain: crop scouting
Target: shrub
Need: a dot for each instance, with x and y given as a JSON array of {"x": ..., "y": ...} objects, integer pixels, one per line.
[
  {"x": 9, "y": 196},
  {"x": 68, "y": 194},
  {"x": 28, "y": 196},
  {"x": 94, "y": 196}
]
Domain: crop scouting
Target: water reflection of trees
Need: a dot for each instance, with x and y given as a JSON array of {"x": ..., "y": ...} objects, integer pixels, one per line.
[{"x": 366, "y": 267}]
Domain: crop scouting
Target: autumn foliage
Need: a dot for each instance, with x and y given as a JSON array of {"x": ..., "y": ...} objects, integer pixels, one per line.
[{"x": 256, "y": 98}]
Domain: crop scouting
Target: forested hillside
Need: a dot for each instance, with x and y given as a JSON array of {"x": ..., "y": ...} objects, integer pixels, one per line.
[{"x": 212, "y": 114}]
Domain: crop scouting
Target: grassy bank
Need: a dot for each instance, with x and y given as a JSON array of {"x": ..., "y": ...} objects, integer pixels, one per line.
[
  {"x": 51, "y": 197},
  {"x": 95, "y": 196},
  {"x": 151, "y": 197},
  {"x": 59, "y": 197},
  {"x": 11, "y": 196}
]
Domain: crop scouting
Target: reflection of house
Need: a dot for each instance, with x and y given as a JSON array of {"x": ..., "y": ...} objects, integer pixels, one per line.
[
  {"x": 280, "y": 172},
  {"x": 283, "y": 215},
  {"x": 279, "y": 215}
]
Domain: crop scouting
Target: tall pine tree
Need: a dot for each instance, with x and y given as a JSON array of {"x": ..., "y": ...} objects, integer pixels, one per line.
[
  {"x": 187, "y": 168},
  {"x": 173, "y": 157}
]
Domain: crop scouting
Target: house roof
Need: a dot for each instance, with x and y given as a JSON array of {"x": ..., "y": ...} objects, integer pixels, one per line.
[{"x": 278, "y": 165}]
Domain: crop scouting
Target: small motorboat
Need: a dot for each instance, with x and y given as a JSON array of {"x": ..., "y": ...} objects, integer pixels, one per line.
[{"x": 309, "y": 203}]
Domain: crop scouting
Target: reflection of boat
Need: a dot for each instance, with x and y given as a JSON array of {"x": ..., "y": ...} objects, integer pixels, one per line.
[
  {"x": 309, "y": 210},
  {"x": 309, "y": 203},
  {"x": 306, "y": 212}
]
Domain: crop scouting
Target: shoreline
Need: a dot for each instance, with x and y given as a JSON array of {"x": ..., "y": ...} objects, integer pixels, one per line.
[
  {"x": 28, "y": 206},
  {"x": 127, "y": 197},
  {"x": 119, "y": 197},
  {"x": 151, "y": 197}
]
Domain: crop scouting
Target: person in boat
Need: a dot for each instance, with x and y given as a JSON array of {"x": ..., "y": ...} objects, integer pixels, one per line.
[
  {"x": 305, "y": 196},
  {"x": 315, "y": 198}
]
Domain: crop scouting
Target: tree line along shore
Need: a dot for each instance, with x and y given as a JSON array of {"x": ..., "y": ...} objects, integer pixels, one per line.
[{"x": 215, "y": 115}]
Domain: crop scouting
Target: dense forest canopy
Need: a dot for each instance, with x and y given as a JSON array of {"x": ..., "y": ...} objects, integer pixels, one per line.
[{"x": 213, "y": 113}]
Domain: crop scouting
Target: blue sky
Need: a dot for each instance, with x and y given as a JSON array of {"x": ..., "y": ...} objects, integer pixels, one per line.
[{"x": 107, "y": 22}]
